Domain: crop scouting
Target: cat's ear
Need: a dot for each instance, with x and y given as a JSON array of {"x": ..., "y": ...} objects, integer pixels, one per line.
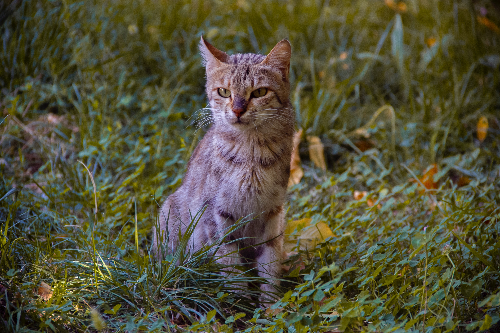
[
  {"x": 211, "y": 55},
  {"x": 279, "y": 57}
]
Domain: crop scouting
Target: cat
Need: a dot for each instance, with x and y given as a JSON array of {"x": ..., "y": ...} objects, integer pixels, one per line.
[{"x": 240, "y": 168}]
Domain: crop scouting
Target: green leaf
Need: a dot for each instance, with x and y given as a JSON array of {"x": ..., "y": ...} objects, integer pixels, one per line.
[
  {"x": 477, "y": 254},
  {"x": 486, "y": 323},
  {"x": 211, "y": 315},
  {"x": 319, "y": 295},
  {"x": 114, "y": 310}
]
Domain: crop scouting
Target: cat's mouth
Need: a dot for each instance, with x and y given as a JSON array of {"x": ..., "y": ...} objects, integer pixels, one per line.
[{"x": 238, "y": 121}]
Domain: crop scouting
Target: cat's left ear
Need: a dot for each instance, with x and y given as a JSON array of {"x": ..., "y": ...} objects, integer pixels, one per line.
[
  {"x": 211, "y": 55},
  {"x": 279, "y": 57}
]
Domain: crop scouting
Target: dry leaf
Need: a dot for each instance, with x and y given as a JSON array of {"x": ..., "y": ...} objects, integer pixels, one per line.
[
  {"x": 428, "y": 178},
  {"x": 343, "y": 56},
  {"x": 402, "y": 7},
  {"x": 317, "y": 151},
  {"x": 273, "y": 312},
  {"x": 358, "y": 195},
  {"x": 399, "y": 7},
  {"x": 488, "y": 24},
  {"x": 482, "y": 128},
  {"x": 364, "y": 144},
  {"x": 308, "y": 235},
  {"x": 430, "y": 41},
  {"x": 45, "y": 291},
  {"x": 462, "y": 181},
  {"x": 296, "y": 172}
]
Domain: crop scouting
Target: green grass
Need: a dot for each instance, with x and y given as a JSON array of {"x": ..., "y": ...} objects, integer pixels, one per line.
[{"x": 118, "y": 86}]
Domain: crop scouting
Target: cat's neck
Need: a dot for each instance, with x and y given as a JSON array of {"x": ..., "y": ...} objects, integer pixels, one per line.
[{"x": 259, "y": 136}]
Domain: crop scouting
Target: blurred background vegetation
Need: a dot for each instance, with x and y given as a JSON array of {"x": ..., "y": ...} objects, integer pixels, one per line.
[{"x": 410, "y": 193}]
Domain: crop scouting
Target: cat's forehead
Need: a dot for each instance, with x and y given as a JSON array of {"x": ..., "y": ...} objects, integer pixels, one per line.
[{"x": 245, "y": 59}]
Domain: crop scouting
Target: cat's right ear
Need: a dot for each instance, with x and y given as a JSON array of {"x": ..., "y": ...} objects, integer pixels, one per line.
[{"x": 211, "y": 55}]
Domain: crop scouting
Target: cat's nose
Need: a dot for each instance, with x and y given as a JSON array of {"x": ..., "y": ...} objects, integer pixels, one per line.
[
  {"x": 239, "y": 106},
  {"x": 238, "y": 111}
]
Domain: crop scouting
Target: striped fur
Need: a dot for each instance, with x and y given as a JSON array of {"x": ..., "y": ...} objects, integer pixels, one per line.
[{"x": 240, "y": 168}]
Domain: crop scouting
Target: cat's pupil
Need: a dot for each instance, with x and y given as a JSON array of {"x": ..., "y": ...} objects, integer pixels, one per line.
[{"x": 224, "y": 92}]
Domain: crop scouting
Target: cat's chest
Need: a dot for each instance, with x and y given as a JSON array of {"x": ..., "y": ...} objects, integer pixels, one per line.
[{"x": 251, "y": 175}]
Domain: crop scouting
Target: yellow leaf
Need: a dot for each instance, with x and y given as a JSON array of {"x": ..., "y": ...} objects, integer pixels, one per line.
[
  {"x": 309, "y": 235},
  {"x": 296, "y": 171},
  {"x": 45, "y": 291},
  {"x": 317, "y": 151},
  {"x": 297, "y": 224},
  {"x": 482, "y": 128}
]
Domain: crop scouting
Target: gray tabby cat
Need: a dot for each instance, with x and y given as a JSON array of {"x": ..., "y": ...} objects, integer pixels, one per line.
[{"x": 241, "y": 166}]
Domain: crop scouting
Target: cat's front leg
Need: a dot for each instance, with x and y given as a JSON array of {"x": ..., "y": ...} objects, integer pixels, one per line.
[
  {"x": 228, "y": 251},
  {"x": 269, "y": 267},
  {"x": 270, "y": 255}
]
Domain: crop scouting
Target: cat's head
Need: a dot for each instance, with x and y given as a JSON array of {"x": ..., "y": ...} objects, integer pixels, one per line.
[{"x": 248, "y": 90}]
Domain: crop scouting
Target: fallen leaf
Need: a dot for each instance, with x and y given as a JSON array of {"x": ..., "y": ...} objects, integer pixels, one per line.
[
  {"x": 428, "y": 178},
  {"x": 399, "y": 6},
  {"x": 430, "y": 41},
  {"x": 45, "y": 291},
  {"x": 309, "y": 235},
  {"x": 402, "y": 7},
  {"x": 317, "y": 152},
  {"x": 358, "y": 195},
  {"x": 462, "y": 181},
  {"x": 482, "y": 128},
  {"x": 343, "y": 56},
  {"x": 296, "y": 172},
  {"x": 364, "y": 144},
  {"x": 488, "y": 24},
  {"x": 273, "y": 312}
]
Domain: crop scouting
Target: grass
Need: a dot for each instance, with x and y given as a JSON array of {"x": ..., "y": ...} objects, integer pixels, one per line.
[{"x": 390, "y": 88}]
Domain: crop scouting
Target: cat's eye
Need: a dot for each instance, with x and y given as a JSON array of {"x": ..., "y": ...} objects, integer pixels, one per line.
[
  {"x": 224, "y": 92},
  {"x": 259, "y": 92}
]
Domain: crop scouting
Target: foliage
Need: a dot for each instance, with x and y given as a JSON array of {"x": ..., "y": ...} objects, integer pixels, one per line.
[{"x": 404, "y": 97}]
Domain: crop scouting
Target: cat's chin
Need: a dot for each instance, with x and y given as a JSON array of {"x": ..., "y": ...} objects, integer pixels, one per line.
[{"x": 239, "y": 123}]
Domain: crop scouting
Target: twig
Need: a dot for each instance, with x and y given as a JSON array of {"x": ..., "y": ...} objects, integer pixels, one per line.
[{"x": 27, "y": 107}]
